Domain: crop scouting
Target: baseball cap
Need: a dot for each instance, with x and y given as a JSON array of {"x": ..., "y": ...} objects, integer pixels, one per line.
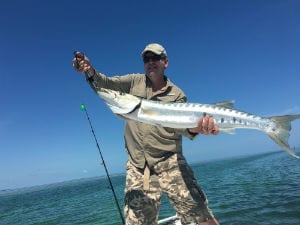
[{"x": 155, "y": 48}]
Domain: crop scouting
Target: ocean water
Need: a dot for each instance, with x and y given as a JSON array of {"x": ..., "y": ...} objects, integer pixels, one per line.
[{"x": 259, "y": 189}]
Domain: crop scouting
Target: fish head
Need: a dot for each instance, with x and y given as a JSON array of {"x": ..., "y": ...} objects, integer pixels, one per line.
[{"x": 119, "y": 102}]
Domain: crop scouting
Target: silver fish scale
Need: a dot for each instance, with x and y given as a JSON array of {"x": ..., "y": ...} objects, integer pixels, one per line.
[{"x": 168, "y": 114}]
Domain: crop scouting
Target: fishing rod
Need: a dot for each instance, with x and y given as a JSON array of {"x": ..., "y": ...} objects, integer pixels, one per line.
[{"x": 83, "y": 108}]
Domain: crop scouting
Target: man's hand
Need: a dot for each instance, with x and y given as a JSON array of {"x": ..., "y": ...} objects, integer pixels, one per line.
[
  {"x": 206, "y": 125},
  {"x": 82, "y": 64}
]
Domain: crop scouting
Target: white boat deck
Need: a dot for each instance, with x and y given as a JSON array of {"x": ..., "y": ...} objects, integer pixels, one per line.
[{"x": 173, "y": 220}]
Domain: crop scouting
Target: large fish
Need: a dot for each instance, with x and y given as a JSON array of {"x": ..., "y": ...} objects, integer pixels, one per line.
[{"x": 186, "y": 115}]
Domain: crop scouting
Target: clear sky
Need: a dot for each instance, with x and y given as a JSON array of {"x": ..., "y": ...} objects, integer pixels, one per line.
[{"x": 247, "y": 51}]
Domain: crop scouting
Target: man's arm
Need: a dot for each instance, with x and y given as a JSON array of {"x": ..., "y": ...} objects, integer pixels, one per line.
[{"x": 96, "y": 80}]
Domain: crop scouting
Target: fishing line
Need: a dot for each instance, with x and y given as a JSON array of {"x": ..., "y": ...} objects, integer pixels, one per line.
[{"x": 83, "y": 108}]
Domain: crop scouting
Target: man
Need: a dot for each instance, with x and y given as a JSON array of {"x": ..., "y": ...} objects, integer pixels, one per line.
[{"x": 155, "y": 160}]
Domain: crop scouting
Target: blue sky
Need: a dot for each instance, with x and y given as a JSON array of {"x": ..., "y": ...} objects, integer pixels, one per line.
[{"x": 247, "y": 51}]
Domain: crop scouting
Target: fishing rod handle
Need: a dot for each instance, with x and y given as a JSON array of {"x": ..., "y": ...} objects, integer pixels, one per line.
[{"x": 81, "y": 56}]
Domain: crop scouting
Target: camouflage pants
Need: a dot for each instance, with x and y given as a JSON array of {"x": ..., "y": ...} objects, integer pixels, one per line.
[{"x": 173, "y": 177}]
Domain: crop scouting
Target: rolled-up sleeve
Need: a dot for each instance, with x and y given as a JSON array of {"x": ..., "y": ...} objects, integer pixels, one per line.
[{"x": 186, "y": 133}]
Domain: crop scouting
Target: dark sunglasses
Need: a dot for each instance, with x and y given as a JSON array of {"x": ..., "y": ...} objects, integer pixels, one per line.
[{"x": 154, "y": 58}]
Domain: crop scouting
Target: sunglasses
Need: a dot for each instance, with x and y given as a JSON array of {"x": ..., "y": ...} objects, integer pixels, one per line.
[{"x": 154, "y": 58}]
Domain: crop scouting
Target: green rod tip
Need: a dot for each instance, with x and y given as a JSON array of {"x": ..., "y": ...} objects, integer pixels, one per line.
[{"x": 82, "y": 107}]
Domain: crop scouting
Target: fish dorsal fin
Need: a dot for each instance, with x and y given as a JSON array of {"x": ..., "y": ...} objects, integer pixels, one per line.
[{"x": 225, "y": 104}]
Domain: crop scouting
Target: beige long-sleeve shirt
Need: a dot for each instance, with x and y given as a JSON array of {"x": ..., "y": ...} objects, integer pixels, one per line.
[{"x": 146, "y": 144}]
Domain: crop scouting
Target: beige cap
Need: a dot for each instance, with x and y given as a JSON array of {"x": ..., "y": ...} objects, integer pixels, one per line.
[{"x": 155, "y": 48}]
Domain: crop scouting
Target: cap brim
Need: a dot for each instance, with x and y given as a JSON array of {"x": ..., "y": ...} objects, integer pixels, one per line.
[{"x": 153, "y": 51}]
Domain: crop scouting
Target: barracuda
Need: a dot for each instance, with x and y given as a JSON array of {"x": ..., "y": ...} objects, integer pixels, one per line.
[{"x": 186, "y": 115}]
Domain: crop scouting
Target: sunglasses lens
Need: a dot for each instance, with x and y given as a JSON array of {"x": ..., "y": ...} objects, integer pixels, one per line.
[
  {"x": 154, "y": 58},
  {"x": 146, "y": 59}
]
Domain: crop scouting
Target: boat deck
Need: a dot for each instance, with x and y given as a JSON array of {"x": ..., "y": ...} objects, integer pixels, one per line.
[{"x": 173, "y": 220}]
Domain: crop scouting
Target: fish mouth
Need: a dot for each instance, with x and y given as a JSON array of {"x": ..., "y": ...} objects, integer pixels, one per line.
[
  {"x": 118, "y": 101},
  {"x": 107, "y": 91}
]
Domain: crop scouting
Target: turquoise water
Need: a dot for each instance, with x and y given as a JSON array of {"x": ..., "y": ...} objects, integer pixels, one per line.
[{"x": 259, "y": 189}]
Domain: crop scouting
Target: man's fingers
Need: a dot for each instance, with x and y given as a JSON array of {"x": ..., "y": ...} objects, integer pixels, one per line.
[
  {"x": 216, "y": 130},
  {"x": 81, "y": 62},
  {"x": 78, "y": 55},
  {"x": 207, "y": 125},
  {"x": 211, "y": 124}
]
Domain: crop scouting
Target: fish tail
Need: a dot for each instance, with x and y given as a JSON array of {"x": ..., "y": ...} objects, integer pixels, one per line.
[{"x": 281, "y": 133}]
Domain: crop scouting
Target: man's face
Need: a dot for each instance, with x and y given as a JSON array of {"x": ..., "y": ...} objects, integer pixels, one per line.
[{"x": 154, "y": 65}]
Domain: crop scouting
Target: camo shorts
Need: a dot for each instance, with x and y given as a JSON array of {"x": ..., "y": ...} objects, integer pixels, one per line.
[{"x": 172, "y": 176}]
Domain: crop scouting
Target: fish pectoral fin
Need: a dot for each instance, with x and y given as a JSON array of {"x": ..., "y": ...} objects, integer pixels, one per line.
[
  {"x": 225, "y": 104},
  {"x": 228, "y": 131}
]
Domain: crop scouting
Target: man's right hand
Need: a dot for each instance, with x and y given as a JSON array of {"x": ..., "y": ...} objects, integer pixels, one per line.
[{"x": 82, "y": 64}]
